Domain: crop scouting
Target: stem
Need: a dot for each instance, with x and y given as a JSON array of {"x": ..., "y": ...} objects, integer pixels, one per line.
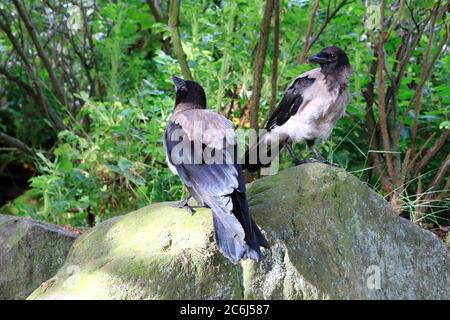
[
  {"x": 307, "y": 46},
  {"x": 258, "y": 64},
  {"x": 276, "y": 50},
  {"x": 174, "y": 10}
]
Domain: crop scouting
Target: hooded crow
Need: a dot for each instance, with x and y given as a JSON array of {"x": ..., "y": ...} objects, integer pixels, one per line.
[
  {"x": 309, "y": 110},
  {"x": 201, "y": 149}
]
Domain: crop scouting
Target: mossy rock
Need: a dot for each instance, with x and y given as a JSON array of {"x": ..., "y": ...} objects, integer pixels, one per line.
[
  {"x": 30, "y": 253},
  {"x": 332, "y": 237}
]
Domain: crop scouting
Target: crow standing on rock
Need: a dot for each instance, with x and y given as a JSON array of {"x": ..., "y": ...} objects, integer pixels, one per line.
[
  {"x": 201, "y": 149},
  {"x": 309, "y": 110}
]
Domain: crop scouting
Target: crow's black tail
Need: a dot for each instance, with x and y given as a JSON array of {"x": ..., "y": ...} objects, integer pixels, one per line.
[
  {"x": 253, "y": 236},
  {"x": 231, "y": 246}
]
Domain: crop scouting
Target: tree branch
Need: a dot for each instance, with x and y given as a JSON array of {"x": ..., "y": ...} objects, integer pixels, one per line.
[
  {"x": 426, "y": 70},
  {"x": 302, "y": 58},
  {"x": 322, "y": 28},
  {"x": 174, "y": 10},
  {"x": 381, "y": 97},
  {"x": 90, "y": 41},
  {"x": 440, "y": 174},
  {"x": 371, "y": 126},
  {"x": 17, "y": 81},
  {"x": 431, "y": 153},
  {"x": 276, "y": 50},
  {"x": 258, "y": 64},
  {"x": 59, "y": 90},
  {"x": 16, "y": 143}
]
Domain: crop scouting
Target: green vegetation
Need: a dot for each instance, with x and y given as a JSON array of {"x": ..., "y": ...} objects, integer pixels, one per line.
[{"x": 85, "y": 92}]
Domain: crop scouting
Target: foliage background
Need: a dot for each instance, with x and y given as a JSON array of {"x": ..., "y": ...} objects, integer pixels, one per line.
[{"x": 85, "y": 94}]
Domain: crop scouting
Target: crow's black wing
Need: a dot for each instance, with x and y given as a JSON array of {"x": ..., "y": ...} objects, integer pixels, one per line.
[
  {"x": 221, "y": 186},
  {"x": 291, "y": 102}
]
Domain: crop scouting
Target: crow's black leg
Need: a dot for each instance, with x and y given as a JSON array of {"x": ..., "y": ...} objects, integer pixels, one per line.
[
  {"x": 184, "y": 204},
  {"x": 320, "y": 158},
  {"x": 294, "y": 157}
]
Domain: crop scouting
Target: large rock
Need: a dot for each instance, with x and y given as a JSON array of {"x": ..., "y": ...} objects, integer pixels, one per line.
[
  {"x": 30, "y": 253},
  {"x": 332, "y": 237}
]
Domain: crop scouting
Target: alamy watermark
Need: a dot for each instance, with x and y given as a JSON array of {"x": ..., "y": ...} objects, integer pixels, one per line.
[{"x": 202, "y": 143}]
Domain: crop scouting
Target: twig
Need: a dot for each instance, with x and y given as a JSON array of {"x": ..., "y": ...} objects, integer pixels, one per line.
[
  {"x": 306, "y": 47},
  {"x": 439, "y": 143},
  {"x": 329, "y": 17},
  {"x": 16, "y": 143}
]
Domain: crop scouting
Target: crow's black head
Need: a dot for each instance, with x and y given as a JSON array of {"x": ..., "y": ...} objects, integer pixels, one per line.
[
  {"x": 331, "y": 59},
  {"x": 189, "y": 92}
]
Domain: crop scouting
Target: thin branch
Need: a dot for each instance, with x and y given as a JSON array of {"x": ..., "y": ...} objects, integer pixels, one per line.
[
  {"x": 276, "y": 51},
  {"x": 440, "y": 174},
  {"x": 445, "y": 191},
  {"x": 381, "y": 96},
  {"x": 90, "y": 41},
  {"x": 302, "y": 58},
  {"x": 329, "y": 17},
  {"x": 371, "y": 126},
  {"x": 17, "y": 81},
  {"x": 258, "y": 64},
  {"x": 174, "y": 11},
  {"x": 6, "y": 27},
  {"x": 396, "y": 18},
  {"x": 431, "y": 153},
  {"x": 38, "y": 96},
  {"x": 59, "y": 90},
  {"x": 426, "y": 70},
  {"x": 16, "y": 143}
]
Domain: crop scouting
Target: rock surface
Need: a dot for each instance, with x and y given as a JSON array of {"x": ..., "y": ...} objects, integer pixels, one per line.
[
  {"x": 332, "y": 237},
  {"x": 30, "y": 253}
]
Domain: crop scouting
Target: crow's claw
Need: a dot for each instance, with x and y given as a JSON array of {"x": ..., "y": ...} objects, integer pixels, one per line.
[{"x": 183, "y": 204}]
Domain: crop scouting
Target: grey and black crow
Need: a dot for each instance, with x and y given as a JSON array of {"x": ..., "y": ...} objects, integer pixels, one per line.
[
  {"x": 309, "y": 110},
  {"x": 216, "y": 180}
]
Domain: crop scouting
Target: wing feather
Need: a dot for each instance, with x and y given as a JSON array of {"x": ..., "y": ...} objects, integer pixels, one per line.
[
  {"x": 220, "y": 185},
  {"x": 291, "y": 102}
]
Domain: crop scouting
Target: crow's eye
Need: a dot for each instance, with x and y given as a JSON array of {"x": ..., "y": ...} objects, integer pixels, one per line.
[{"x": 333, "y": 56}]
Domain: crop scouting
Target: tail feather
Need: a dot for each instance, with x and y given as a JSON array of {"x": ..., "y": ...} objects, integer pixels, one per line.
[{"x": 232, "y": 247}]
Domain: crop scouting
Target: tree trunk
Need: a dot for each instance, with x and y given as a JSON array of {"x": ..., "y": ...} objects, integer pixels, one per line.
[
  {"x": 174, "y": 10},
  {"x": 276, "y": 50},
  {"x": 258, "y": 65}
]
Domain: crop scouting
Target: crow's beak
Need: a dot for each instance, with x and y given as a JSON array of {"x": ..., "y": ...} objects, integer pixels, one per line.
[
  {"x": 318, "y": 58},
  {"x": 179, "y": 83}
]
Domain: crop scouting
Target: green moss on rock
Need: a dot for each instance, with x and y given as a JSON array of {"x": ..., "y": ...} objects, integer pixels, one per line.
[{"x": 328, "y": 231}]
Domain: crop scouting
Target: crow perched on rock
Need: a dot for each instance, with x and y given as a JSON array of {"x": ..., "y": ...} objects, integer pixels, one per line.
[
  {"x": 309, "y": 110},
  {"x": 201, "y": 149}
]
